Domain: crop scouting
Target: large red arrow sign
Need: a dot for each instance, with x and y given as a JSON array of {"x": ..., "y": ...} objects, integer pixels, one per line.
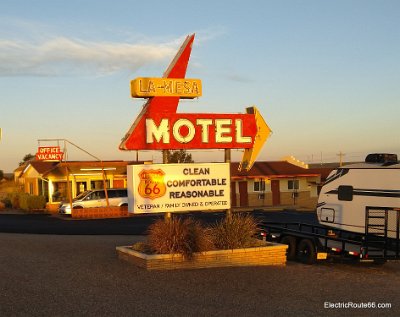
[{"x": 159, "y": 127}]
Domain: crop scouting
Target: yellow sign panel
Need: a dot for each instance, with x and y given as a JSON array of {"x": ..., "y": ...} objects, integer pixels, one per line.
[
  {"x": 145, "y": 87},
  {"x": 263, "y": 133}
]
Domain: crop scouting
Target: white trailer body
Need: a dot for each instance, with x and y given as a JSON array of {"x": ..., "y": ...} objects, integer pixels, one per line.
[{"x": 350, "y": 190}]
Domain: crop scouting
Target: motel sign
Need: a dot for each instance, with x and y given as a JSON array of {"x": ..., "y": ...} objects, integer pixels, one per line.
[{"x": 159, "y": 126}]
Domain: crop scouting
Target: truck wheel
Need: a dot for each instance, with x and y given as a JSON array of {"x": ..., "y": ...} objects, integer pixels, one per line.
[
  {"x": 291, "y": 251},
  {"x": 306, "y": 252}
]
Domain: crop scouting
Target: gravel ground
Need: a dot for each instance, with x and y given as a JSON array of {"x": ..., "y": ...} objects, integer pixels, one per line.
[{"x": 55, "y": 275}]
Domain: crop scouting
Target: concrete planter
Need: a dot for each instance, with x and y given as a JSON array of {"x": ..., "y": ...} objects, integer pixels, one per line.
[{"x": 270, "y": 254}]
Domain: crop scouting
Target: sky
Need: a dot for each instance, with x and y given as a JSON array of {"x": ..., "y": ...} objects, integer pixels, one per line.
[{"x": 324, "y": 74}]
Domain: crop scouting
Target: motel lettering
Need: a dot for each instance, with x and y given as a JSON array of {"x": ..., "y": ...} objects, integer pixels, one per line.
[{"x": 183, "y": 130}]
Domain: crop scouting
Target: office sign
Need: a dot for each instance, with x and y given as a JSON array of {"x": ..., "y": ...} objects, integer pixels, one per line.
[
  {"x": 49, "y": 153},
  {"x": 158, "y": 188}
]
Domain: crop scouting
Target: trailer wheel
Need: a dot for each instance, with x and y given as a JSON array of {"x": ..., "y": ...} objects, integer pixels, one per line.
[
  {"x": 306, "y": 252},
  {"x": 291, "y": 251}
]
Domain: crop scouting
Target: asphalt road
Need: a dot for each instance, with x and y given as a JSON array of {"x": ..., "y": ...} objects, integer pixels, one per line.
[
  {"x": 74, "y": 275},
  {"x": 136, "y": 225}
]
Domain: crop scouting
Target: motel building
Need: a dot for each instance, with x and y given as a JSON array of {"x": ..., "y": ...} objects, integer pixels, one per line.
[
  {"x": 50, "y": 178},
  {"x": 280, "y": 183}
]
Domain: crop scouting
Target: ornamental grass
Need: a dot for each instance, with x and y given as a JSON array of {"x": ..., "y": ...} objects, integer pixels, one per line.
[
  {"x": 235, "y": 232},
  {"x": 184, "y": 236},
  {"x": 187, "y": 236}
]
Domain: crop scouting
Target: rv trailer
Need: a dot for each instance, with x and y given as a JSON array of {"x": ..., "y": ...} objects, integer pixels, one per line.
[
  {"x": 358, "y": 213},
  {"x": 349, "y": 192}
]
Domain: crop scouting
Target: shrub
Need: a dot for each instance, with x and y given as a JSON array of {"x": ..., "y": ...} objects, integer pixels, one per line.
[
  {"x": 179, "y": 236},
  {"x": 37, "y": 202},
  {"x": 7, "y": 202},
  {"x": 22, "y": 201},
  {"x": 14, "y": 200},
  {"x": 30, "y": 202},
  {"x": 236, "y": 231}
]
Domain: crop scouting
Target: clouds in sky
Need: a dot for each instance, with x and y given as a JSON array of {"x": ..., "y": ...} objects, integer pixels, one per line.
[
  {"x": 70, "y": 56},
  {"x": 32, "y": 48}
]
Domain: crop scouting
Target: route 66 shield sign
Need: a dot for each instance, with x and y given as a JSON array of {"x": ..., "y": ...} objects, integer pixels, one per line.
[{"x": 152, "y": 184}]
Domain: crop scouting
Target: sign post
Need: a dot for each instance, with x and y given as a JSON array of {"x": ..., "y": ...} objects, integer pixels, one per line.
[{"x": 168, "y": 215}]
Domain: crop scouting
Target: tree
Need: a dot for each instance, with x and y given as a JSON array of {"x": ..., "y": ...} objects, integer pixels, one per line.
[
  {"x": 1, "y": 175},
  {"x": 180, "y": 156},
  {"x": 27, "y": 158}
]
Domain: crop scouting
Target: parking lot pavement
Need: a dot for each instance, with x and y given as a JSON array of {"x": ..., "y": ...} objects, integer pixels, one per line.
[
  {"x": 56, "y": 275},
  {"x": 137, "y": 225}
]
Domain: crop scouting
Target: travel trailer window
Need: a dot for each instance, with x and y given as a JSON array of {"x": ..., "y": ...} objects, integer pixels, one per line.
[
  {"x": 345, "y": 193},
  {"x": 327, "y": 215}
]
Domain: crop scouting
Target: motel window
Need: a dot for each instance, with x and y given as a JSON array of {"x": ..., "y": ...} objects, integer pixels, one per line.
[
  {"x": 99, "y": 184},
  {"x": 293, "y": 184},
  {"x": 259, "y": 186},
  {"x": 60, "y": 191}
]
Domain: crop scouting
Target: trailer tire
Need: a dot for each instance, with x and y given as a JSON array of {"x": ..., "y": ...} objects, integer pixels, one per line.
[
  {"x": 306, "y": 252},
  {"x": 291, "y": 250}
]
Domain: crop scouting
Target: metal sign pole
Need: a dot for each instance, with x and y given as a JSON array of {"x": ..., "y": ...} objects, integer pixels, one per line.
[
  {"x": 167, "y": 215},
  {"x": 228, "y": 160},
  {"x": 69, "y": 191},
  {"x": 105, "y": 184}
]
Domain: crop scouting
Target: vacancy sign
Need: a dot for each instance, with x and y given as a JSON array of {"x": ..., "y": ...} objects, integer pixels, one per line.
[
  {"x": 49, "y": 153},
  {"x": 154, "y": 188}
]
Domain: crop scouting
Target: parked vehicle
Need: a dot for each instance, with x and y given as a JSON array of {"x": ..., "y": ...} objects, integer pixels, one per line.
[
  {"x": 96, "y": 198},
  {"x": 359, "y": 215}
]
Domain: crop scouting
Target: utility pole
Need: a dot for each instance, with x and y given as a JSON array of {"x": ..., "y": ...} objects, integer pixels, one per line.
[{"x": 341, "y": 155}]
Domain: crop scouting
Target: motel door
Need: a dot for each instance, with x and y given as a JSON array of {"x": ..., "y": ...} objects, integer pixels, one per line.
[
  {"x": 244, "y": 199},
  {"x": 233, "y": 194},
  {"x": 118, "y": 183},
  {"x": 276, "y": 194}
]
